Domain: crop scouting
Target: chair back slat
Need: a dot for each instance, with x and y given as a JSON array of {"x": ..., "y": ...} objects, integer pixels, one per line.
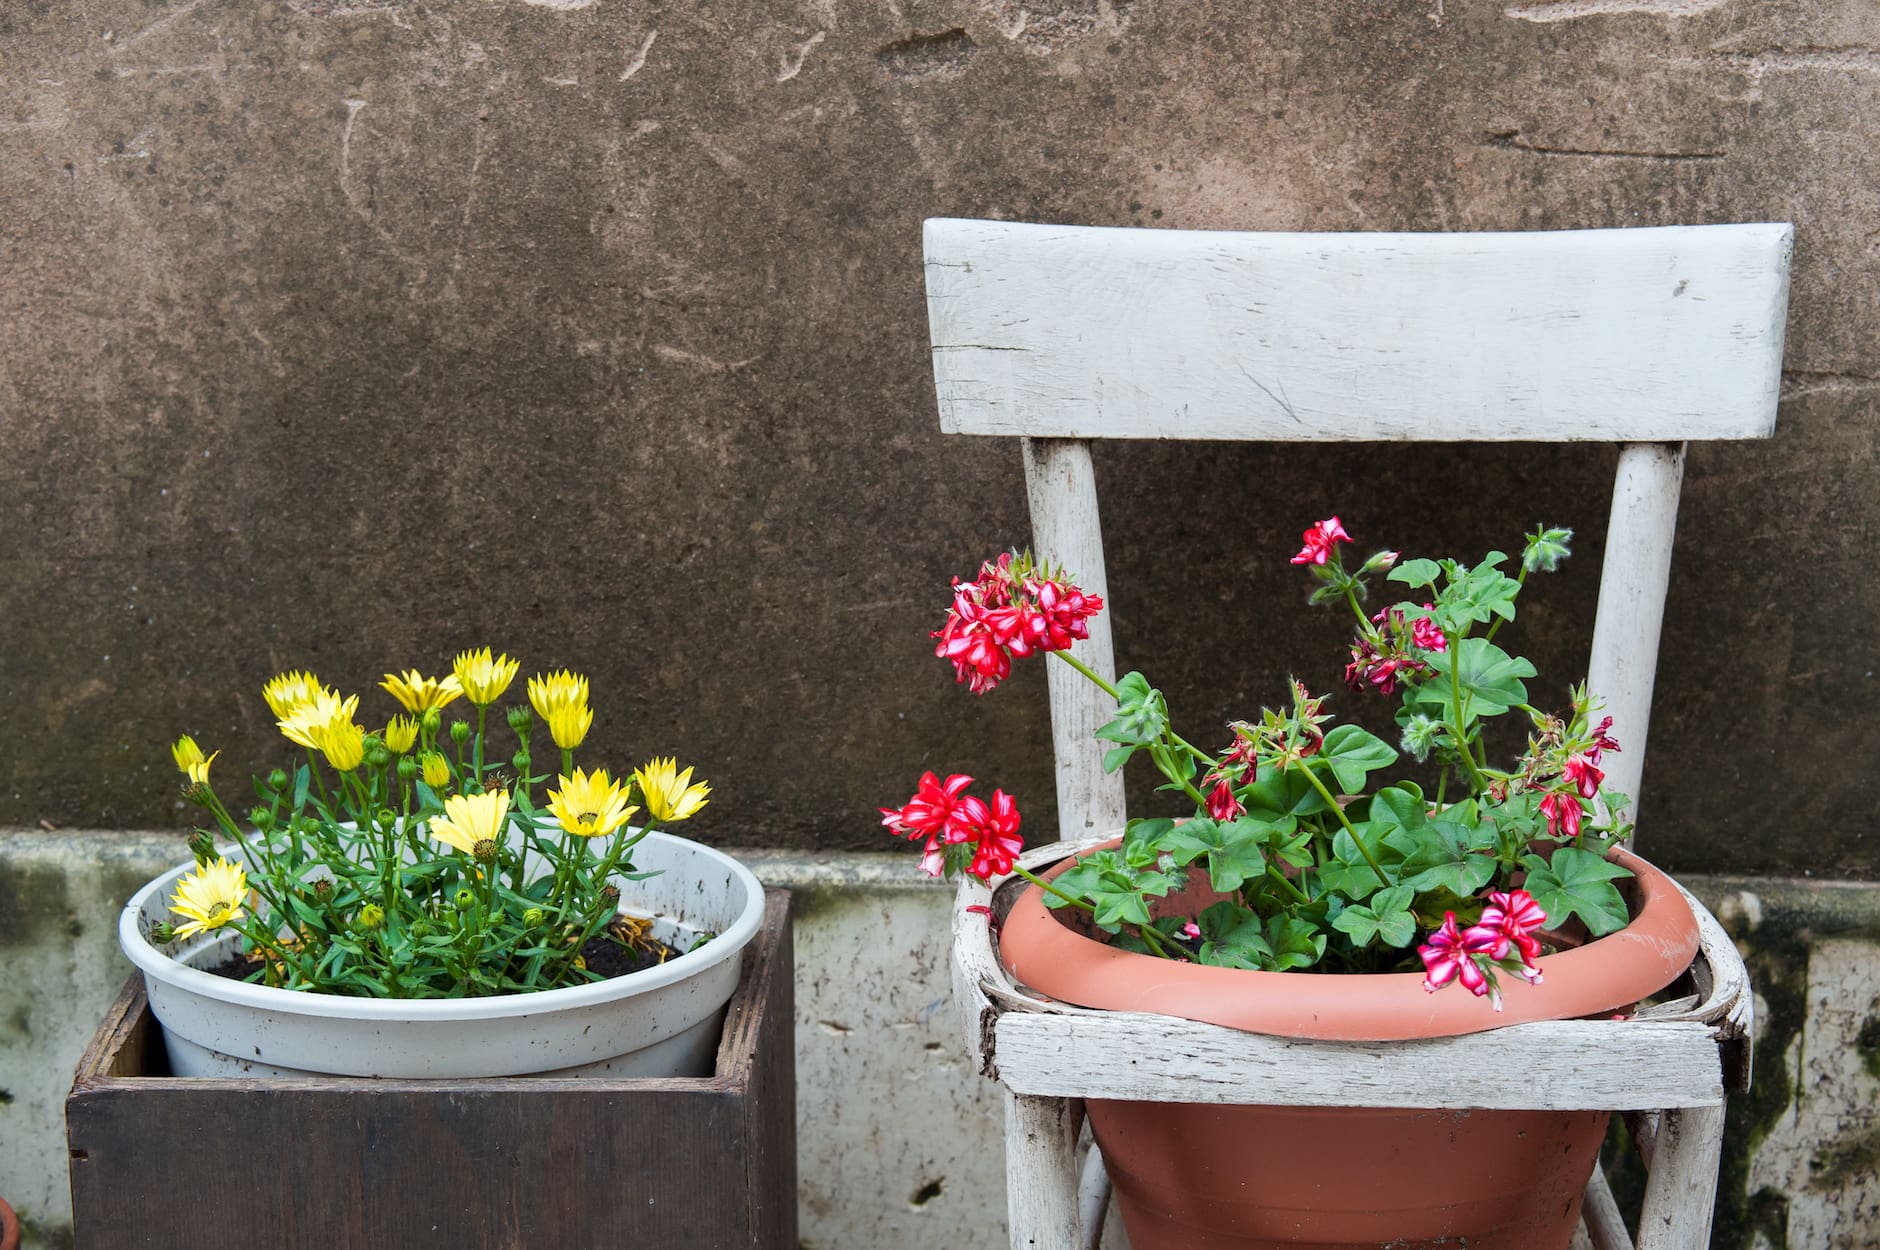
[
  {"x": 1065, "y": 531},
  {"x": 1632, "y": 585},
  {"x": 1087, "y": 332}
]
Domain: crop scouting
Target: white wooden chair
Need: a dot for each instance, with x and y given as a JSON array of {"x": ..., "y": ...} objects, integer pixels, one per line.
[{"x": 1646, "y": 337}]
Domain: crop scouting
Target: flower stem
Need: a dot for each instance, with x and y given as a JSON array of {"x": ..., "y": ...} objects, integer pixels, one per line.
[
  {"x": 1048, "y": 888},
  {"x": 1339, "y": 812},
  {"x": 1089, "y": 672}
]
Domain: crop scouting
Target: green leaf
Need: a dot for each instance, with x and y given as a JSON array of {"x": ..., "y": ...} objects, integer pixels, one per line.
[
  {"x": 1416, "y": 573},
  {"x": 1116, "y": 757},
  {"x": 1351, "y": 752},
  {"x": 1233, "y": 937},
  {"x": 1233, "y": 851},
  {"x": 1578, "y": 883},
  {"x": 1141, "y": 713},
  {"x": 1447, "y": 856},
  {"x": 1276, "y": 795},
  {"x": 1481, "y": 592},
  {"x": 303, "y": 777},
  {"x": 1490, "y": 680},
  {"x": 1296, "y": 943},
  {"x": 1348, "y": 873}
]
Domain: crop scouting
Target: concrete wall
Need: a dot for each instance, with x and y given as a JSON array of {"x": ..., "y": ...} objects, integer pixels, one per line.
[
  {"x": 346, "y": 333},
  {"x": 900, "y": 1142}
]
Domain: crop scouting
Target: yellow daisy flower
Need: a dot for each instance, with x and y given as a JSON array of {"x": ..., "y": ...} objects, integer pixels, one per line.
[
  {"x": 401, "y": 734},
  {"x": 210, "y": 897},
  {"x": 418, "y": 693},
  {"x": 436, "y": 769},
  {"x": 342, "y": 742},
  {"x": 190, "y": 760},
  {"x": 322, "y": 709},
  {"x": 668, "y": 792},
  {"x": 288, "y": 691},
  {"x": 473, "y": 822},
  {"x": 561, "y": 700},
  {"x": 590, "y": 804},
  {"x": 483, "y": 679}
]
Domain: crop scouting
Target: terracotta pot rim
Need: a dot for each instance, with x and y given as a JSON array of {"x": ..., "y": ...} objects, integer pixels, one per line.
[{"x": 1603, "y": 976}]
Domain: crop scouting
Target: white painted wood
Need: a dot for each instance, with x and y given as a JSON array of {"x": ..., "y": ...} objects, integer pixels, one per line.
[
  {"x": 1062, "y": 488},
  {"x": 1681, "y": 1188},
  {"x": 1632, "y": 588},
  {"x": 1635, "y": 335},
  {"x": 1093, "y": 1200},
  {"x": 1099, "y": 1055},
  {"x": 1599, "y": 1215},
  {"x": 1040, "y": 1172}
]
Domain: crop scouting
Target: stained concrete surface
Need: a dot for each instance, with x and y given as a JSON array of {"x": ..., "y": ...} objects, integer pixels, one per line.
[{"x": 347, "y": 333}]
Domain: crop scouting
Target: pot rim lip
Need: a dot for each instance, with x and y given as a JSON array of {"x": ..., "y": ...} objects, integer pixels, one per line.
[
  {"x": 727, "y": 944},
  {"x": 1662, "y": 939}
]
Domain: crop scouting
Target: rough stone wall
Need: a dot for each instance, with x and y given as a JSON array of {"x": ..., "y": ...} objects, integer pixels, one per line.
[{"x": 346, "y": 333}]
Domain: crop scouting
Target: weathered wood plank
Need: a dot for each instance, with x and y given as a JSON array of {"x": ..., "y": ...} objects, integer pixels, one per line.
[
  {"x": 1073, "y": 332},
  {"x": 1632, "y": 588},
  {"x": 1599, "y": 1215},
  {"x": 1062, "y": 488},
  {"x": 1681, "y": 1188},
  {"x": 1041, "y": 1172},
  {"x": 1102, "y": 1055}
]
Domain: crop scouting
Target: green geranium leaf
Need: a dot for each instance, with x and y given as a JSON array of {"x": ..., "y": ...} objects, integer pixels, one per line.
[
  {"x": 1351, "y": 753},
  {"x": 1233, "y": 851},
  {"x": 1141, "y": 713},
  {"x": 1578, "y": 883},
  {"x": 1347, "y": 871},
  {"x": 1233, "y": 937},
  {"x": 1490, "y": 680},
  {"x": 1277, "y": 795},
  {"x": 1296, "y": 943},
  {"x": 1416, "y": 572},
  {"x": 1387, "y": 918},
  {"x": 1448, "y": 856},
  {"x": 1479, "y": 593}
]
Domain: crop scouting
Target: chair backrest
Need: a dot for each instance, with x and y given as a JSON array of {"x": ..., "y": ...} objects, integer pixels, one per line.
[{"x": 1644, "y": 337}]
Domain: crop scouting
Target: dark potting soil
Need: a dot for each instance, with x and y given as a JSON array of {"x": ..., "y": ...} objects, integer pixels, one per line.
[{"x": 605, "y": 957}]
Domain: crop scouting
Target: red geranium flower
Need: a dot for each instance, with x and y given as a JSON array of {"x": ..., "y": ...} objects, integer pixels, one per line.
[
  {"x": 1318, "y": 541},
  {"x": 999, "y": 840},
  {"x": 1222, "y": 805},
  {"x": 938, "y": 812},
  {"x": 1450, "y": 954},
  {"x": 1585, "y": 775},
  {"x": 1602, "y": 741},
  {"x": 1563, "y": 815},
  {"x": 1511, "y": 918}
]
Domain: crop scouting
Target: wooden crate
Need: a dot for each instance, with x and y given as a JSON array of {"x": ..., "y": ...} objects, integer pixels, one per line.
[{"x": 347, "y": 1163}]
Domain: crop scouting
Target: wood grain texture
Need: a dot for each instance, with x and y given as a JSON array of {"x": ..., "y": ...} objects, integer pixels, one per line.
[
  {"x": 1659, "y": 335},
  {"x": 1041, "y": 1172},
  {"x": 1632, "y": 586},
  {"x": 1101, "y": 1055},
  {"x": 1681, "y": 1188},
  {"x": 292, "y": 1164},
  {"x": 1062, "y": 488}
]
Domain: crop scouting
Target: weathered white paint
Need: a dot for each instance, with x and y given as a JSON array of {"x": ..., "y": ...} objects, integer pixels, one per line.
[
  {"x": 1601, "y": 1225},
  {"x": 1099, "y": 1054},
  {"x": 562, "y": 6},
  {"x": 1632, "y": 586},
  {"x": 1062, "y": 488},
  {"x": 1620, "y": 335},
  {"x": 1041, "y": 1172}
]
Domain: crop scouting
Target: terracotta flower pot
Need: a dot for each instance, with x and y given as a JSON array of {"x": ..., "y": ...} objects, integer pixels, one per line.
[
  {"x": 1210, "y": 1177},
  {"x": 9, "y": 1228}
]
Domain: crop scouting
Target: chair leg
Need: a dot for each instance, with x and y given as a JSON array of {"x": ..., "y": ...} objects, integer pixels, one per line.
[
  {"x": 1041, "y": 1172},
  {"x": 1681, "y": 1189}
]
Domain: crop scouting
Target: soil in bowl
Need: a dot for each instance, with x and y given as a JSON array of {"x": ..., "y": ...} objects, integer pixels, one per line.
[{"x": 628, "y": 946}]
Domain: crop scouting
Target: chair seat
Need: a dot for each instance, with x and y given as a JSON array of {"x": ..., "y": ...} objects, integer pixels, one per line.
[{"x": 1680, "y": 1054}]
